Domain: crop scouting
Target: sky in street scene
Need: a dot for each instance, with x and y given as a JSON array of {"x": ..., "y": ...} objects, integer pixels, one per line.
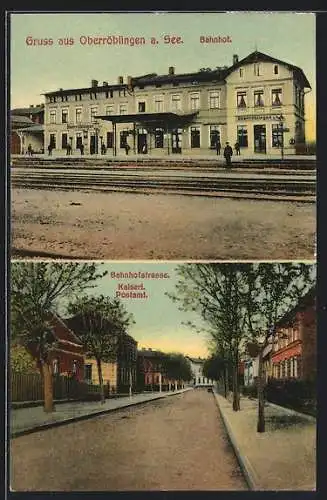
[
  {"x": 69, "y": 62},
  {"x": 158, "y": 321}
]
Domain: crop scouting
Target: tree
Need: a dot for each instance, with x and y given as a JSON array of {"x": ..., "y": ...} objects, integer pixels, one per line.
[
  {"x": 216, "y": 368},
  {"x": 36, "y": 288},
  {"x": 177, "y": 367},
  {"x": 21, "y": 361},
  {"x": 241, "y": 303},
  {"x": 277, "y": 288},
  {"x": 100, "y": 323},
  {"x": 217, "y": 292}
]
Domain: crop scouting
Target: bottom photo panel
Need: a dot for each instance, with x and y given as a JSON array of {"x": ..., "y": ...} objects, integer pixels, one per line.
[{"x": 158, "y": 376}]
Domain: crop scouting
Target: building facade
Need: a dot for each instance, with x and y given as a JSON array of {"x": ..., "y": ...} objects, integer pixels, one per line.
[
  {"x": 27, "y": 129},
  {"x": 257, "y": 102},
  {"x": 151, "y": 373},
  {"x": 109, "y": 373},
  {"x": 126, "y": 363},
  {"x": 199, "y": 379},
  {"x": 293, "y": 352}
]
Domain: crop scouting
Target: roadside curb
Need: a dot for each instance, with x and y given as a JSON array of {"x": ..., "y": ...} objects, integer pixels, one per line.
[
  {"x": 245, "y": 465},
  {"x": 69, "y": 420}
]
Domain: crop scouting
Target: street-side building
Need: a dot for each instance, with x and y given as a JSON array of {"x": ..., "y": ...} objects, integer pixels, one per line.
[
  {"x": 66, "y": 354},
  {"x": 199, "y": 379},
  {"x": 151, "y": 374},
  {"x": 27, "y": 129},
  {"x": 109, "y": 373},
  {"x": 258, "y": 101},
  {"x": 293, "y": 352},
  {"x": 118, "y": 374},
  {"x": 126, "y": 363},
  {"x": 251, "y": 371}
]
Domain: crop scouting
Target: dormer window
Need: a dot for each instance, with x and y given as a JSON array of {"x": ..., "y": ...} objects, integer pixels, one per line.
[{"x": 276, "y": 69}]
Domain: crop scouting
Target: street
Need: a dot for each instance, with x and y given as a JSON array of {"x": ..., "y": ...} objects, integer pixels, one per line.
[
  {"x": 177, "y": 443},
  {"x": 93, "y": 225}
]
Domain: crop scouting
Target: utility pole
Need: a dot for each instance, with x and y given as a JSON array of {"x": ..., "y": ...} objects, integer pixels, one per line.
[{"x": 130, "y": 381}]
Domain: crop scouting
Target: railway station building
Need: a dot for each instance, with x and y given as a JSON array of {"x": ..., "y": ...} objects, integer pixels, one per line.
[{"x": 257, "y": 101}]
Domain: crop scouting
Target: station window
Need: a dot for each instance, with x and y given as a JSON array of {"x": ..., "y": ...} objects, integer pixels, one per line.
[
  {"x": 53, "y": 116},
  {"x": 195, "y": 137},
  {"x": 159, "y": 138},
  {"x": 258, "y": 98},
  {"x": 242, "y": 136},
  {"x": 64, "y": 141},
  {"x": 214, "y": 100},
  {"x": 110, "y": 139},
  {"x": 214, "y": 136},
  {"x": 64, "y": 116},
  {"x": 53, "y": 140},
  {"x": 276, "y": 97},
  {"x": 277, "y": 136},
  {"x": 195, "y": 101},
  {"x": 241, "y": 99},
  {"x": 78, "y": 115},
  {"x": 141, "y": 107},
  {"x": 158, "y": 104}
]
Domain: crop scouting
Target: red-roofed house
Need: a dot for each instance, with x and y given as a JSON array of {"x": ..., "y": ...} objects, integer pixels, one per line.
[{"x": 66, "y": 354}]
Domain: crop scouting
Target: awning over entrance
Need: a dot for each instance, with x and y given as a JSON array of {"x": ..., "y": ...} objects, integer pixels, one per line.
[
  {"x": 163, "y": 118},
  {"x": 170, "y": 122}
]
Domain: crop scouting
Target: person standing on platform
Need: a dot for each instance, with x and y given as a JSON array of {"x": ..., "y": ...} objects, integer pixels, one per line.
[{"x": 228, "y": 153}]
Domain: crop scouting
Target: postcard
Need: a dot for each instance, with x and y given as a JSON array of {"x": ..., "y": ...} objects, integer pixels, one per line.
[
  {"x": 163, "y": 135},
  {"x": 119, "y": 362},
  {"x": 162, "y": 332}
]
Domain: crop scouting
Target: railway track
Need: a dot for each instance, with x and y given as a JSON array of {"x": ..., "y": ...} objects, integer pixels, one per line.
[{"x": 288, "y": 187}]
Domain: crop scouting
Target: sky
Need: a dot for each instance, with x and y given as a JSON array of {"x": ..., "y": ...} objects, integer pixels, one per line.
[
  {"x": 36, "y": 69},
  {"x": 158, "y": 321}
]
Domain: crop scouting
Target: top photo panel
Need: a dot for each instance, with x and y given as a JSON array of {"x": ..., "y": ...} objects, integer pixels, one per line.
[{"x": 162, "y": 136}]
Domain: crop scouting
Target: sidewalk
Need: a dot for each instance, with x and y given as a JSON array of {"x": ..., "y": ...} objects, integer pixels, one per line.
[
  {"x": 27, "y": 420},
  {"x": 283, "y": 457}
]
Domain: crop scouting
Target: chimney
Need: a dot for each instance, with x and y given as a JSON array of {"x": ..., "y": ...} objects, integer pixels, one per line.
[
  {"x": 105, "y": 84},
  {"x": 94, "y": 83},
  {"x": 235, "y": 59},
  {"x": 120, "y": 80},
  {"x": 171, "y": 70},
  {"x": 129, "y": 81}
]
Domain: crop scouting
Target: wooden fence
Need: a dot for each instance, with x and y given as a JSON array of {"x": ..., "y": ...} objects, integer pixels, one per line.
[{"x": 29, "y": 387}]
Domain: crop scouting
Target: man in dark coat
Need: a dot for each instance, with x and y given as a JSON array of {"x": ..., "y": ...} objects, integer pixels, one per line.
[
  {"x": 218, "y": 147},
  {"x": 237, "y": 148},
  {"x": 228, "y": 153}
]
